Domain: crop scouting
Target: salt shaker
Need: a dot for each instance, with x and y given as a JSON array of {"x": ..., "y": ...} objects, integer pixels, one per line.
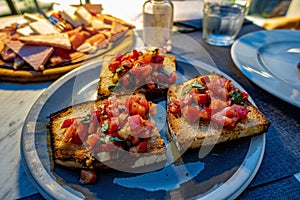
[{"x": 157, "y": 24}]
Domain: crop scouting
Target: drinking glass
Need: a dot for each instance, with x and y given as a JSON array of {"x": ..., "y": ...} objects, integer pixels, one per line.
[{"x": 222, "y": 20}]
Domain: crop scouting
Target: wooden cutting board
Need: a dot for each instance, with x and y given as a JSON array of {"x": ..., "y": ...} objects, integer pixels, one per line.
[{"x": 124, "y": 44}]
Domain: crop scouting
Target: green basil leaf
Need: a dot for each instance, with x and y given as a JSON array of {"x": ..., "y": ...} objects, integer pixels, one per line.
[
  {"x": 186, "y": 89},
  {"x": 197, "y": 85},
  {"x": 115, "y": 139},
  {"x": 236, "y": 96},
  {"x": 101, "y": 140},
  {"x": 112, "y": 87},
  {"x": 104, "y": 128},
  {"x": 119, "y": 70},
  {"x": 86, "y": 120}
]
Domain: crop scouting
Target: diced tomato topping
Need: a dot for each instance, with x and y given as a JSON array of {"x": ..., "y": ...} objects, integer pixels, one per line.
[
  {"x": 133, "y": 107},
  {"x": 222, "y": 120},
  {"x": 158, "y": 59},
  {"x": 68, "y": 122},
  {"x": 201, "y": 99},
  {"x": 135, "y": 54},
  {"x": 194, "y": 91},
  {"x": 217, "y": 104},
  {"x": 142, "y": 147},
  {"x": 217, "y": 90},
  {"x": 76, "y": 139},
  {"x": 191, "y": 113},
  {"x": 82, "y": 130},
  {"x": 205, "y": 114},
  {"x": 240, "y": 110},
  {"x": 138, "y": 106},
  {"x": 108, "y": 147},
  {"x": 245, "y": 95},
  {"x": 119, "y": 56},
  {"x": 87, "y": 177},
  {"x": 186, "y": 100},
  {"x": 174, "y": 108},
  {"x": 205, "y": 79},
  {"x": 94, "y": 123},
  {"x": 144, "y": 102},
  {"x": 92, "y": 140},
  {"x": 127, "y": 63},
  {"x": 113, "y": 124},
  {"x": 113, "y": 66},
  {"x": 98, "y": 113},
  {"x": 141, "y": 111},
  {"x": 147, "y": 58},
  {"x": 135, "y": 123},
  {"x": 70, "y": 132}
]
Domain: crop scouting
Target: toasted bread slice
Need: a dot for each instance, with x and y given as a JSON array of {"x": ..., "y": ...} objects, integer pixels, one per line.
[
  {"x": 71, "y": 154},
  {"x": 158, "y": 89},
  {"x": 200, "y": 132}
]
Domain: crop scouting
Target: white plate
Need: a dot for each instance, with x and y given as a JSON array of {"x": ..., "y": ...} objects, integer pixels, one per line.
[
  {"x": 223, "y": 174},
  {"x": 267, "y": 59}
]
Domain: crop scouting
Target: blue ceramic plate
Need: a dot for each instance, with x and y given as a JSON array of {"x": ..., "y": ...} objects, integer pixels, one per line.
[
  {"x": 270, "y": 59},
  {"x": 223, "y": 173}
]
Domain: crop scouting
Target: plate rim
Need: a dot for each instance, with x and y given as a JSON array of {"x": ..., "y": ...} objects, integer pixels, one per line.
[
  {"x": 260, "y": 81},
  {"x": 233, "y": 187}
]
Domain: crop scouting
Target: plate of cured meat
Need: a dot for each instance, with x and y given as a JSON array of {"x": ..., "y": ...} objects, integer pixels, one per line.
[{"x": 42, "y": 48}]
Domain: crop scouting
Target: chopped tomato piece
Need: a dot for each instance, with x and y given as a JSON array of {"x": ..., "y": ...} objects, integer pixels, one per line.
[
  {"x": 142, "y": 147},
  {"x": 141, "y": 111},
  {"x": 98, "y": 113},
  {"x": 217, "y": 90},
  {"x": 82, "y": 130},
  {"x": 114, "y": 65},
  {"x": 119, "y": 56},
  {"x": 144, "y": 103},
  {"x": 147, "y": 58},
  {"x": 158, "y": 59},
  {"x": 187, "y": 100},
  {"x": 127, "y": 63},
  {"x": 133, "y": 107},
  {"x": 245, "y": 95},
  {"x": 76, "y": 139},
  {"x": 68, "y": 122},
  {"x": 240, "y": 110},
  {"x": 135, "y": 122},
  {"x": 135, "y": 54},
  {"x": 87, "y": 177},
  {"x": 92, "y": 140},
  {"x": 174, "y": 108},
  {"x": 113, "y": 124},
  {"x": 191, "y": 113},
  {"x": 222, "y": 120},
  {"x": 69, "y": 133},
  {"x": 217, "y": 104},
  {"x": 201, "y": 99},
  {"x": 94, "y": 123},
  {"x": 205, "y": 114},
  {"x": 108, "y": 147}
]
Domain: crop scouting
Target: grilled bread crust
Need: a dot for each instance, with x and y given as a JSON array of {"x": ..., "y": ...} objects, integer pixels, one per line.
[
  {"x": 206, "y": 133},
  {"x": 72, "y": 155},
  {"x": 106, "y": 80}
]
